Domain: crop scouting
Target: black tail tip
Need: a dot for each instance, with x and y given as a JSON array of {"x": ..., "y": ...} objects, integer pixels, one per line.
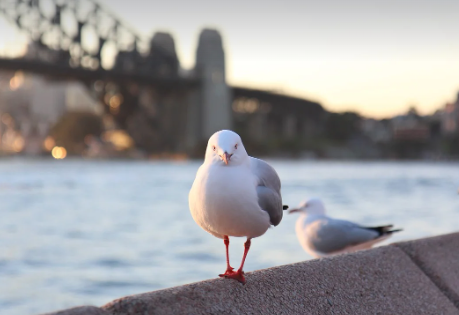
[{"x": 284, "y": 207}]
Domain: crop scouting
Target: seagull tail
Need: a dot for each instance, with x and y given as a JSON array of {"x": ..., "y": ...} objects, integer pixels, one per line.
[
  {"x": 394, "y": 231},
  {"x": 284, "y": 207},
  {"x": 384, "y": 230}
]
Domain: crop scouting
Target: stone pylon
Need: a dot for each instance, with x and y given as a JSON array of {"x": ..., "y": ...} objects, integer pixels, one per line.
[{"x": 211, "y": 108}]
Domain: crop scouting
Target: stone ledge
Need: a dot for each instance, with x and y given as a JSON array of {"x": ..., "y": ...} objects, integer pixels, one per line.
[
  {"x": 438, "y": 258},
  {"x": 81, "y": 310},
  {"x": 378, "y": 281},
  {"x": 415, "y": 277}
]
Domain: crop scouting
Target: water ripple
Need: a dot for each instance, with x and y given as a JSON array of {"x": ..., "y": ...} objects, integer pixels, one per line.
[{"x": 85, "y": 232}]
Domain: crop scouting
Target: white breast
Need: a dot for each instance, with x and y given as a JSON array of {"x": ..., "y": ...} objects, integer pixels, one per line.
[
  {"x": 300, "y": 229},
  {"x": 223, "y": 201}
]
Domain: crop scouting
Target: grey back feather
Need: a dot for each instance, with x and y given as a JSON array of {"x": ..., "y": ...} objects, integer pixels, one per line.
[
  {"x": 329, "y": 235},
  {"x": 268, "y": 190}
]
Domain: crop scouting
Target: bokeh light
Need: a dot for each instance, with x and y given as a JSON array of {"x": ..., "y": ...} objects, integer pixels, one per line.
[
  {"x": 119, "y": 138},
  {"x": 59, "y": 153},
  {"x": 17, "y": 80},
  {"x": 49, "y": 143},
  {"x": 18, "y": 144}
]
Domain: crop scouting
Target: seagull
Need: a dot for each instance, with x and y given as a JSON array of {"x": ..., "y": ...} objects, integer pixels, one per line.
[
  {"x": 323, "y": 236},
  {"x": 235, "y": 194}
]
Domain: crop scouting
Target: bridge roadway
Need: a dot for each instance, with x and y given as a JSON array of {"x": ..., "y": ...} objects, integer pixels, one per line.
[{"x": 60, "y": 71}]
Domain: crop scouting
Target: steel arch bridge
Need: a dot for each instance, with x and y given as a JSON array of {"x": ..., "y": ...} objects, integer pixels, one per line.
[
  {"x": 71, "y": 39},
  {"x": 74, "y": 40},
  {"x": 77, "y": 30}
]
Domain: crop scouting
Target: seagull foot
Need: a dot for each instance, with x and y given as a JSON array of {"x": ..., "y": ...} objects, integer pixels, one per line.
[
  {"x": 236, "y": 275},
  {"x": 229, "y": 271}
]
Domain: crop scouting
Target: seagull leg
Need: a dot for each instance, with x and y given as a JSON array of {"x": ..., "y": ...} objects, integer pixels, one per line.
[
  {"x": 239, "y": 274},
  {"x": 229, "y": 269}
]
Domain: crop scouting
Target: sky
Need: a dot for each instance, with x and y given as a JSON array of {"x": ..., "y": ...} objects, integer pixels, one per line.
[{"x": 375, "y": 57}]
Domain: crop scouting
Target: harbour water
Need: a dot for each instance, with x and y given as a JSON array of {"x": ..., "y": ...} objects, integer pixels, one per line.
[{"x": 77, "y": 232}]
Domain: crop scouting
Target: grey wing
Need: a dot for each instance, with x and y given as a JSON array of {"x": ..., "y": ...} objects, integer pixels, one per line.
[
  {"x": 268, "y": 190},
  {"x": 330, "y": 235}
]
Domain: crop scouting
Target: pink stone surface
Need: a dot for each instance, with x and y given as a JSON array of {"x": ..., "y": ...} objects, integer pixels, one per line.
[
  {"x": 438, "y": 258},
  {"x": 81, "y": 310},
  {"x": 378, "y": 281}
]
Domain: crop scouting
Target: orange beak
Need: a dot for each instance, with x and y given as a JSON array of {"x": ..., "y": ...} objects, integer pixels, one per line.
[
  {"x": 226, "y": 157},
  {"x": 293, "y": 211}
]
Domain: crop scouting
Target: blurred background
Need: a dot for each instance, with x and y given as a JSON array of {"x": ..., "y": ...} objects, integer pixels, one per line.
[{"x": 106, "y": 108}]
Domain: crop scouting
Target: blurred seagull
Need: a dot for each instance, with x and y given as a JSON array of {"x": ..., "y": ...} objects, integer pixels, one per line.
[
  {"x": 234, "y": 194},
  {"x": 323, "y": 236}
]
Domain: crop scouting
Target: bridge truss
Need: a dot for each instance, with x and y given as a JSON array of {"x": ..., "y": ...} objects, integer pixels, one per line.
[
  {"x": 73, "y": 39},
  {"x": 77, "y": 32}
]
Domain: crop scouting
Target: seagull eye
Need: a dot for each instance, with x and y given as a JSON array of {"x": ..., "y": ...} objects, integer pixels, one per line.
[
  {"x": 214, "y": 148},
  {"x": 235, "y": 146}
]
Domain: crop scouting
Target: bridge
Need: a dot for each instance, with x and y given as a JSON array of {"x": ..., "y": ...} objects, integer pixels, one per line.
[{"x": 162, "y": 107}]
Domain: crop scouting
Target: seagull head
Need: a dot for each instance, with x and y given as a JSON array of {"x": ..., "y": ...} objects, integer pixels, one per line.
[
  {"x": 225, "y": 148},
  {"x": 311, "y": 206}
]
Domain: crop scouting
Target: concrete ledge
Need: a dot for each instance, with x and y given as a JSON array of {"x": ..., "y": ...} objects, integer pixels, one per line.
[
  {"x": 379, "y": 281},
  {"x": 81, "y": 310},
  {"x": 438, "y": 258},
  {"x": 416, "y": 277}
]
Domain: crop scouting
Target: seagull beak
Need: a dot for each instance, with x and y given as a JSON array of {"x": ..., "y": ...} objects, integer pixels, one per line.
[
  {"x": 226, "y": 157},
  {"x": 293, "y": 210}
]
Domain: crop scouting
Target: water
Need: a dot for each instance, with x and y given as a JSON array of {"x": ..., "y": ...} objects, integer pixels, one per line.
[{"x": 79, "y": 232}]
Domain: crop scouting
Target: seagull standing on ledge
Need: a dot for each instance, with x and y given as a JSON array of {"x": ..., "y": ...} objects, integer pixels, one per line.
[
  {"x": 234, "y": 194},
  {"x": 322, "y": 236}
]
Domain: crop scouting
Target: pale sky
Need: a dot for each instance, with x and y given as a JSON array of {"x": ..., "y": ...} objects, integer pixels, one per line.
[{"x": 375, "y": 57}]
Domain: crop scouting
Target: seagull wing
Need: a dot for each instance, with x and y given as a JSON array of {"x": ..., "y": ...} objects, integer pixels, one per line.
[
  {"x": 268, "y": 190},
  {"x": 327, "y": 235}
]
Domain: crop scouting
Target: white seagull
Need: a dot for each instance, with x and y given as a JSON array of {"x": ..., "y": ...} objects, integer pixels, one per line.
[
  {"x": 234, "y": 194},
  {"x": 323, "y": 236}
]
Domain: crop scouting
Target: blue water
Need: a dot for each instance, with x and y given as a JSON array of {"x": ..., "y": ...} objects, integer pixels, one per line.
[{"x": 76, "y": 232}]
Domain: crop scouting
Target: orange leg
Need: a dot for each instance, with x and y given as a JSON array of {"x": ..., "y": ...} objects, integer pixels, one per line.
[
  {"x": 239, "y": 274},
  {"x": 229, "y": 269}
]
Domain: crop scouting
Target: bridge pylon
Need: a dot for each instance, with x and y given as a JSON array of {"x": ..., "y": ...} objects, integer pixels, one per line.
[{"x": 210, "y": 110}]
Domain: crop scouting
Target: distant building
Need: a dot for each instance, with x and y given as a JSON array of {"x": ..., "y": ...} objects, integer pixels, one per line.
[
  {"x": 34, "y": 106},
  {"x": 450, "y": 119},
  {"x": 378, "y": 131},
  {"x": 410, "y": 127}
]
